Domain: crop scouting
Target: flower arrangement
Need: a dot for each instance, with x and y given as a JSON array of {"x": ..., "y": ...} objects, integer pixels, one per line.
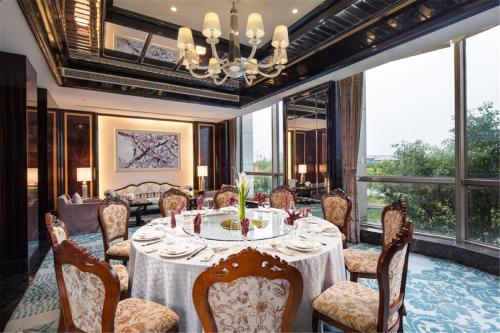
[{"x": 243, "y": 184}]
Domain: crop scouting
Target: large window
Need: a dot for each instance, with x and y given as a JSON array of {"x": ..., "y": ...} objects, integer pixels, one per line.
[
  {"x": 410, "y": 140},
  {"x": 423, "y": 144},
  {"x": 262, "y": 148}
]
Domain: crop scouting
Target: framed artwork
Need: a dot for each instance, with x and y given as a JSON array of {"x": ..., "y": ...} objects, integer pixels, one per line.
[
  {"x": 146, "y": 150},
  {"x": 134, "y": 46}
]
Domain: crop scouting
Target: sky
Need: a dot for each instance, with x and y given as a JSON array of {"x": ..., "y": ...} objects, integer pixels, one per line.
[{"x": 413, "y": 98}]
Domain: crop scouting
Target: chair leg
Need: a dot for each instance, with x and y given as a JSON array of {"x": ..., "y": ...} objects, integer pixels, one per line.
[
  {"x": 61, "y": 326},
  {"x": 403, "y": 309},
  {"x": 174, "y": 328},
  {"x": 315, "y": 321},
  {"x": 400, "y": 327},
  {"x": 354, "y": 277}
]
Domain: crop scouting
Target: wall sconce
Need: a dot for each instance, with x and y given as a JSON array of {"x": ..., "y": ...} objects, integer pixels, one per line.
[
  {"x": 302, "y": 170},
  {"x": 32, "y": 177},
  {"x": 84, "y": 175},
  {"x": 202, "y": 171}
]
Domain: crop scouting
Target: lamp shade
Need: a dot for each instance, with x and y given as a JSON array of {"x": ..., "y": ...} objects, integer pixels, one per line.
[
  {"x": 302, "y": 168},
  {"x": 83, "y": 174},
  {"x": 202, "y": 171},
  {"x": 280, "y": 37},
  {"x": 252, "y": 67},
  {"x": 211, "y": 25},
  {"x": 185, "y": 39},
  {"x": 213, "y": 66},
  {"x": 32, "y": 176},
  {"x": 280, "y": 57},
  {"x": 255, "y": 27},
  {"x": 322, "y": 168}
]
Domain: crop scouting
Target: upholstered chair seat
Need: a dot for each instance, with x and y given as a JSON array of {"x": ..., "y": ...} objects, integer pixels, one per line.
[
  {"x": 119, "y": 249},
  {"x": 351, "y": 304},
  {"x": 137, "y": 315},
  {"x": 362, "y": 261}
]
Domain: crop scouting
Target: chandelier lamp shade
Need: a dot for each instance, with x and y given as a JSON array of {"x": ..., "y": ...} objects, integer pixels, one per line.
[{"x": 233, "y": 66}]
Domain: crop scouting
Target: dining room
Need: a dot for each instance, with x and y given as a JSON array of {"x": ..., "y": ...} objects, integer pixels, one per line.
[{"x": 249, "y": 166}]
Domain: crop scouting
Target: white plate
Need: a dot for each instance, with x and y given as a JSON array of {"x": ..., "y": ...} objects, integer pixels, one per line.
[
  {"x": 193, "y": 212},
  {"x": 148, "y": 235},
  {"x": 178, "y": 250},
  {"x": 302, "y": 245}
]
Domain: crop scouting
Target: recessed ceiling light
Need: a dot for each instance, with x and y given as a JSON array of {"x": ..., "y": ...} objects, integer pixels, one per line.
[
  {"x": 295, "y": 11},
  {"x": 173, "y": 8}
]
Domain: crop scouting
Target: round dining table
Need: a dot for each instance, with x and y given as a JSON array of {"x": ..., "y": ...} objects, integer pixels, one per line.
[{"x": 162, "y": 273}]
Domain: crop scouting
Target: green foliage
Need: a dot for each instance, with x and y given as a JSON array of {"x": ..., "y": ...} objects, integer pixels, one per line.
[
  {"x": 432, "y": 207},
  {"x": 262, "y": 183}
]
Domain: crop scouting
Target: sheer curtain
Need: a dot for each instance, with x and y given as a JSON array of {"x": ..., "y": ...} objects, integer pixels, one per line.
[{"x": 350, "y": 102}]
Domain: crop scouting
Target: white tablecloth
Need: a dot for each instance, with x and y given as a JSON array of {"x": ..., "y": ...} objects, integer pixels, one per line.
[{"x": 170, "y": 281}]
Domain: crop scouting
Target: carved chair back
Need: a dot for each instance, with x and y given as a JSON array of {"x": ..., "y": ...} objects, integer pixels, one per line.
[
  {"x": 223, "y": 197},
  {"x": 57, "y": 230},
  {"x": 337, "y": 206},
  {"x": 114, "y": 214},
  {"x": 278, "y": 195},
  {"x": 267, "y": 288},
  {"x": 89, "y": 289},
  {"x": 171, "y": 199},
  {"x": 392, "y": 269},
  {"x": 394, "y": 217}
]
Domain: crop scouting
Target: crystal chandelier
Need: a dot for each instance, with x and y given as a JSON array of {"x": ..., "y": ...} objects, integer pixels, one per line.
[{"x": 233, "y": 65}]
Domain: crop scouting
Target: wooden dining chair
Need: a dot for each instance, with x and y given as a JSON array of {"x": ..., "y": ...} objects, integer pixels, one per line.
[
  {"x": 224, "y": 196},
  {"x": 114, "y": 214},
  {"x": 337, "y": 206},
  {"x": 363, "y": 263},
  {"x": 278, "y": 195},
  {"x": 171, "y": 199},
  {"x": 89, "y": 295},
  {"x": 248, "y": 292},
  {"x": 353, "y": 307},
  {"x": 58, "y": 233}
]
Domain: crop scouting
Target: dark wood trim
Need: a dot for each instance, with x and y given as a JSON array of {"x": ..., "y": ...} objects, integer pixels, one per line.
[
  {"x": 334, "y": 152},
  {"x": 95, "y": 154},
  {"x": 43, "y": 167},
  {"x": 145, "y": 48},
  {"x": 249, "y": 262}
]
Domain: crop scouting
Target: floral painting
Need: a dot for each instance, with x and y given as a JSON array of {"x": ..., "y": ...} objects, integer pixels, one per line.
[
  {"x": 147, "y": 150},
  {"x": 134, "y": 46}
]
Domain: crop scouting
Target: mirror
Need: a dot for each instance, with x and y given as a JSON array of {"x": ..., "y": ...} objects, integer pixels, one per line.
[{"x": 307, "y": 166}]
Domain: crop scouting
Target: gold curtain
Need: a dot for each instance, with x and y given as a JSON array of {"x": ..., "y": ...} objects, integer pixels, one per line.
[{"x": 351, "y": 99}]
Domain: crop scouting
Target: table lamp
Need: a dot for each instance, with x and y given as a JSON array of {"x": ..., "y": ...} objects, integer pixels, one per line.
[
  {"x": 202, "y": 172},
  {"x": 84, "y": 175},
  {"x": 302, "y": 171},
  {"x": 32, "y": 177},
  {"x": 323, "y": 170}
]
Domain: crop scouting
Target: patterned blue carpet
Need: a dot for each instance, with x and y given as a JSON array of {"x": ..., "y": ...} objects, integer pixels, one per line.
[{"x": 442, "y": 296}]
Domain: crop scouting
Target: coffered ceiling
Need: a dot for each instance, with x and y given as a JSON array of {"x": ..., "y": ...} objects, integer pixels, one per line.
[{"x": 129, "y": 46}]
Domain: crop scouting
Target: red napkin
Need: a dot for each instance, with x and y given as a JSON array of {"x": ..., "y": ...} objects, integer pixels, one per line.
[
  {"x": 199, "y": 202},
  {"x": 292, "y": 216},
  {"x": 245, "y": 225},
  {"x": 181, "y": 206},
  {"x": 233, "y": 202},
  {"x": 260, "y": 198},
  {"x": 197, "y": 224},
  {"x": 173, "y": 222}
]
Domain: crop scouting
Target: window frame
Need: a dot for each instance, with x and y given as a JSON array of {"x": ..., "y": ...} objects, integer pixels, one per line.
[{"x": 461, "y": 180}]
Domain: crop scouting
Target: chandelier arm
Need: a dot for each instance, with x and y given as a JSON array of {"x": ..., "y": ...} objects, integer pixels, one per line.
[
  {"x": 199, "y": 76},
  {"x": 214, "y": 52},
  {"x": 248, "y": 81},
  {"x": 269, "y": 65},
  {"x": 272, "y": 75},
  {"x": 252, "y": 54},
  {"x": 221, "y": 81}
]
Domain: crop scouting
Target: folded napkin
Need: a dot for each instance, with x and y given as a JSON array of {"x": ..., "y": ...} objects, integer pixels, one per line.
[
  {"x": 260, "y": 198},
  {"x": 197, "y": 224},
  {"x": 173, "y": 222},
  {"x": 245, "y": 224},
  {"x": 292, "y": 216},
  {"x": 199, "y": 202},
  {"x": 233, "y": 202},
  {"x": 180, "y": 207}
]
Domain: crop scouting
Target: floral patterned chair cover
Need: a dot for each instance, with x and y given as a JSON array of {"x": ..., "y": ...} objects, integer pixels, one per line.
[
  {"x": 225, "y": 196},
  {"x": 89, "y": 293},
  {"x": 337, "y": 206},
  {"x": 363, "y": 263},
  {"x": 278, "y": 195},
  {"x": 351, "y": 306},
  {"x": 114, "y": 214},
  {"x": 171, "y": 199},
  {"x": 248, "y": 292}
]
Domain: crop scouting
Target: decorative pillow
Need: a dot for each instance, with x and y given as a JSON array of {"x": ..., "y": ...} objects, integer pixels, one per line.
[{"x": 77, "y": 199}]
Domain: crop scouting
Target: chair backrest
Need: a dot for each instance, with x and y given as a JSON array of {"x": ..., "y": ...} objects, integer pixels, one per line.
[
  {"x": 171, "y": 199},
  {"x": 57, "y": 230},
  {"x": 114, "y": 214},
  {"x": 278, "y": 195},
  {"x": 394, "y": 217},
  {"x": 392, "y": 268},
  {"x": 337, "y": 206},
  {"x": 249, "y": 291},
  {"x": 89, "y": 289},
  {"x": 222, "y": 197}
]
